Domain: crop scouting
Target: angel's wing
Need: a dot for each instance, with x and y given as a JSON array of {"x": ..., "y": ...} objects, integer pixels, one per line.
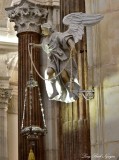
[{"x": 76, "y": 22}]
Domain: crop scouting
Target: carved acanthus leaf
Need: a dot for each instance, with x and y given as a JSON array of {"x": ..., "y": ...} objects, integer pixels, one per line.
[
  {"x": 27, "y": 16},
  {"x": 5, "y": 93}
]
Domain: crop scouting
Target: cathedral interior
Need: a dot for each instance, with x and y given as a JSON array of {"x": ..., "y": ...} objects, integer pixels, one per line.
[{"x": 84, "y": 129}]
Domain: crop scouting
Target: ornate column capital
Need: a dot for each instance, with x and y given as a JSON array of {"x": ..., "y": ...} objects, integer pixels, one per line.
[
  {"x": 5, "y": 92},
  {"x": 5, "y": 95},
  {"x": 27, "y": 16}
]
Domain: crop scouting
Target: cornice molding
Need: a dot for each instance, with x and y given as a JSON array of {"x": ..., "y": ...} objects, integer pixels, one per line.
[
  {"x": 9, "y": 46},
  {"x": 8, "y": 41},
  {"x": 39, "y": 2},
  {"x": 46, "y": 2}
]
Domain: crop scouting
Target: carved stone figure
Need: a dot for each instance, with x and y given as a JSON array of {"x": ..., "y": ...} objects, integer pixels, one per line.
[{"x": 62, "y": 84}]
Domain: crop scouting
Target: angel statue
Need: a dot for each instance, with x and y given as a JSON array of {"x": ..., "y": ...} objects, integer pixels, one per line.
[{"x": 61, "y": 73}]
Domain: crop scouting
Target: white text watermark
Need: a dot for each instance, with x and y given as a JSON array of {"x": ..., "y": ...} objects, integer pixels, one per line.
[{"x": 98, "y": 156}]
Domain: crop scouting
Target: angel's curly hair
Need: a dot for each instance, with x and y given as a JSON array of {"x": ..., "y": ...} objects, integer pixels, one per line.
[{"x": 49, "y": 26}]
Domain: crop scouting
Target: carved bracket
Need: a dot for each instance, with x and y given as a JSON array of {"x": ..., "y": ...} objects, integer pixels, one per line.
[{"x": 27, "y": 16}]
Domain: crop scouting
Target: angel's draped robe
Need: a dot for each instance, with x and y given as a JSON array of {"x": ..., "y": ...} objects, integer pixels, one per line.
[{"x": 58, "y": 52}]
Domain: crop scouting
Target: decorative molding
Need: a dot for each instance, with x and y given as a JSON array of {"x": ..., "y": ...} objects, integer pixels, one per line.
[
  {"x": 12, "y": 61},
  {"x": 13, "y": 105},
  {"x": 7, "y": 39},
  {"x": 27, "y": 16},
  {"x": 46, "y": 2},
  {"x": 14, "y": 87},
  {"x": 5, "y": 93},
  {"x": 9, "y": 46},
  {"x": 41, "y": 2},
  {"x": 4, "y": 81}
]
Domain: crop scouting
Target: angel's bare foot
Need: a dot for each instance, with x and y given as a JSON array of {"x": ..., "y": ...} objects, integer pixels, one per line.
[
  {"x": 75, "y": 92},
  {"x": 54, "y": 94}
]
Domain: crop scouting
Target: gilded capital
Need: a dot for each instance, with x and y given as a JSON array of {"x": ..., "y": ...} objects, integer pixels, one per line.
[{"x": 27, "y": 16}]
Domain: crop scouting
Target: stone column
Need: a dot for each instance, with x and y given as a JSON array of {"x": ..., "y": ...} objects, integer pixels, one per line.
[
  {"x": 28, "y": 18},
  {"x": 75, "y": 129},
  {"x": 4, "y": 97},
  {"x": 13, "y": 124}
]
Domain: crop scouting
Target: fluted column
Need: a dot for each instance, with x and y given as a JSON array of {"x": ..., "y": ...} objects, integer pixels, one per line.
[
  {"x": 75, "y": 129},
  {"x": 5, "y": 94},
  {"x": 12, "y": 121},
  {"x": 28, "y": 18}
]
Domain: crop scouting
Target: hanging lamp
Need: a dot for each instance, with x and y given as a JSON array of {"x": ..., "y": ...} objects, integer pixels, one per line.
[{"x": 32, "y": 130}]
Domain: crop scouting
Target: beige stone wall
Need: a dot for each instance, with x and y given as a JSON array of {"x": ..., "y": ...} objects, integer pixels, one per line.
[
  {"x": 103, "y": 60},
  {"x": 12, "y": 65},
  {"x": 8, "y": 78},
  {"x": 8, "y": 68}
]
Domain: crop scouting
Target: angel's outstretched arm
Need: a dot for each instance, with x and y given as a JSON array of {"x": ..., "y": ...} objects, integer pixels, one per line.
[
  {"x": 71, "y": 44},
  {"x": 35, "y": 45}
]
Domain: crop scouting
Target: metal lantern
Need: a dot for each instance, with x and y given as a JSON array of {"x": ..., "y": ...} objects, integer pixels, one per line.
[{"x": 32, "y": 131}]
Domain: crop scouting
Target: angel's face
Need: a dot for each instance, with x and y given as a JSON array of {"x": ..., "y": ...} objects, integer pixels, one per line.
[{"x": 45, "y": 31}]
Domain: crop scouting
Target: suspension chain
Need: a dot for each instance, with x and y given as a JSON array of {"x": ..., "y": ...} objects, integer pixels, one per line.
[{"x": 40, "y": 74}]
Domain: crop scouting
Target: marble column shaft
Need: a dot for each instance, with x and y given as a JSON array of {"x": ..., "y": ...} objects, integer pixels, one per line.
[{"x": 28, "y": 18}]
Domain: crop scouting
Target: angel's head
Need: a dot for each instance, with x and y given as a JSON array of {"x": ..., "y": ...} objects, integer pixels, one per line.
[{"x": 47, "y": 29}]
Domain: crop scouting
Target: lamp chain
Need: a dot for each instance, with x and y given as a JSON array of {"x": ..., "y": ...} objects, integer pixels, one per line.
[
  {"x": 24, "y": 109},
  {"x": 30, "y": 103},
  {"x": 42, "y": 109}
]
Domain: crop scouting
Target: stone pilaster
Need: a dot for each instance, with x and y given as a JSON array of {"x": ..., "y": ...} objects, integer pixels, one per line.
[
  {"x": 12, "y": 122},
  {"x": 12, "y": 113},
  {"x": 74, "y": 125},
  {"x": 5, "y": 94}
]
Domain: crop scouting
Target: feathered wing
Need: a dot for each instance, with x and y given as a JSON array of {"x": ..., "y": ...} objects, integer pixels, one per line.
[{"x": 76, "y": 22}]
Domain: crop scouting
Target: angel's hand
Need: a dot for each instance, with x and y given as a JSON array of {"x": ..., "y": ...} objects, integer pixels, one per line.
[
  {"x": 72, "y": 47},
  {"x": 34, "y": 45},
  {"x": 73, "y": 51}
]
